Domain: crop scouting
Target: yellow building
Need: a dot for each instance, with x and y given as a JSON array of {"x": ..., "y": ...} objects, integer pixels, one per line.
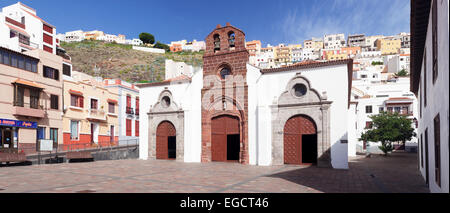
[
  {"x": 315, "y": 44},
  {"x": 334, "y": 55},
  {"x": 90, "y": 112},
  {"x": 93, "y": 35},
  {"x": 283, "y": 55},
  {"x": 389, "y": 46}
]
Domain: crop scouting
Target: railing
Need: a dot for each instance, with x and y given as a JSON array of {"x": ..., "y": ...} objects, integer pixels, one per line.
[
  {"x": 28, "y": 105},
  {"x": 129, "y": 110},
  {"x": 62, "y": 149}
]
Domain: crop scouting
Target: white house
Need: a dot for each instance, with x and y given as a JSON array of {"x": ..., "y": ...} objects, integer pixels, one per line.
[
  {"x": 430, "y": 83},
  {"x": 334, "y": 41},
  {"x": 233, "y": 111},
  {"x": 22, "y": 30},
  {"x": 375, "y": 96}
]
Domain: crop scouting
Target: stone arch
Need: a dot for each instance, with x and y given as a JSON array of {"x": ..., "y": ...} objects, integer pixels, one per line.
[
  {"x": 311, "y": 104},
  {"x": 165, "y": 131},
  {"x": 213, "y": 110},
  {"x": 162, "y": 113}
]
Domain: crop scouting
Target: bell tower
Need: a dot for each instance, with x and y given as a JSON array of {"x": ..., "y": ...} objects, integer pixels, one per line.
[{"x": 224, "y": 95}]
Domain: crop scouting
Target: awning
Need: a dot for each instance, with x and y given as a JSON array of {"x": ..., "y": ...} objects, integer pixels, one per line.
[
  {"x": 18, "y": 30},
  {"x": 112, "y": 101},
  {"x": 28, "y": 83},
  {"x": 75, "y": 92}
]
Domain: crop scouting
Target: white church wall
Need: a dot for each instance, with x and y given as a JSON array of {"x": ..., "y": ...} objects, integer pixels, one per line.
[
  {"x": 253, "y": 74},
  {"x": 333, "y": 80}
]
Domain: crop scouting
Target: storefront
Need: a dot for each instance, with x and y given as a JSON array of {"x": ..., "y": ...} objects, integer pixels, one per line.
[{"x": 9, "y": 133}]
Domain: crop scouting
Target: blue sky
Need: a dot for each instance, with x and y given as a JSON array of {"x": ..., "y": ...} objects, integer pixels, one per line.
[{"x": 272, "y": 22}]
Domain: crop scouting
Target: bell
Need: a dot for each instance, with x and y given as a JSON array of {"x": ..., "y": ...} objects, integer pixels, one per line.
[{"x": 216, "y": 44}]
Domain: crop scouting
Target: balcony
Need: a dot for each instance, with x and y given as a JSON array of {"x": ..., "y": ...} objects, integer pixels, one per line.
[
  {"x": 129, "y": 110},
  {"x": 96, "y": 115},
  {"x": 29, "y": 110}
]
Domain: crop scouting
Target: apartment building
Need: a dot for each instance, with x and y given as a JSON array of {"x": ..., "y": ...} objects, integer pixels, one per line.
[
  {"x": 388, "y": 45},
  {"x": 90, "y": 112},
  {"x": 254, "y": 49},
  {"x": 375, "y": 96},
  {"x": 128, "y": 110},
  {"x": 396, "y": 63},
  {"x": 334, "y": 41},
  {"x": 370, "y": 43},
  {"x": 430, "y": 83},
  {"x": 31, "y": 99},
  {"x": 283, "y": 55},
  {"x": 357, "y": 40},
  {"x": 405, "y": 39},
  {"x": 22, "y": 30},
  {"x": 315, "y": 43}
]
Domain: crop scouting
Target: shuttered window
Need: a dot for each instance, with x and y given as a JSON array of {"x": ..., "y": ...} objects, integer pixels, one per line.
[
  {"x": 437, "y": 150},
  {"x": 128, "y": 127},
  {"x": 435, "y": 40},
  {"x": 136, "y": 128}
]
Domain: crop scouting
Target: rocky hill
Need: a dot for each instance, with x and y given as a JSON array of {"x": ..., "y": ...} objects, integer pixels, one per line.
[{"x": 109, "y": 60}]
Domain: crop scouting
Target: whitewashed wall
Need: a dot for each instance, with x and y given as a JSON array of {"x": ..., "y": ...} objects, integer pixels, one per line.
[
  {"x": 148, "y": 49},
  {"x": 437, "y": 100}
]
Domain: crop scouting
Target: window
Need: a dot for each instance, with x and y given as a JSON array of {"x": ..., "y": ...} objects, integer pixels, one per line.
[
  {"x": 136, "y": 128},
  {"x": 51, "y": 73},
  {"x": 111, "y": 107},
  {"x": 425, "y": 78},
  {"x": 74, "y": 130},
  {"x": 54, "y": 104},
  {"x": 94, "y": 104},
  {"x": 299, "y": 90},
  {"x": 54, "y": 136},
  {"x": 225, "y": 72},
  {"x": 390, "y": 109},
  {"x": 165, "y": 102},
  {"x": 67, "y": 70},
  {"x": 34, "y": 98},
  {"x": 421, "y": 150},
  {"x": 368, "y": 125},
  {"x": 19, "y": 96},
  {"x": 397, "y": 109},
  {"x": 76, "y": 101},
  {"x": 434, "y": 41},
  {"x": 6, "y": 58},
  {"x": 437, "y": 150},
  {"x": 381, "y": 109},
  {"x": 368, "y": 109},
  {"x": 128, "y": 127},
  {"x": 137, "y": 106}
]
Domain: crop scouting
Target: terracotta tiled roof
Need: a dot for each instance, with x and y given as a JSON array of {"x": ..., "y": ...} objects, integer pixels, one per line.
[
  {"x": 399, "y": 99},
  {"x": 308, "y": 64},
  {"x": 181, "y": 78}
]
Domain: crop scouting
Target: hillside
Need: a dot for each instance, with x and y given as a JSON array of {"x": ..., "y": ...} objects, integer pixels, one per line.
[{"x": 110, "y": 60}]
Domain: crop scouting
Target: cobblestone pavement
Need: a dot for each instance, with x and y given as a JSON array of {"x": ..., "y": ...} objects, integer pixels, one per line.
[{"x": 396, "y": 173}]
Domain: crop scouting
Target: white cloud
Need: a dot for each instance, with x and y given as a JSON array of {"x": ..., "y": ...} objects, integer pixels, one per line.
[{"x": 345, "y": 16}]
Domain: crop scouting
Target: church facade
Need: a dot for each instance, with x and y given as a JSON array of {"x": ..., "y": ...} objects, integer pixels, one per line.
[{"x": 231, "y": 111}]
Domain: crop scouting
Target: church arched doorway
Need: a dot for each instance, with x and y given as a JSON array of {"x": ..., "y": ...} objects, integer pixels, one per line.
[
  {"x": 166, "y": 141},
  {"x": 225, "y": 139},
  {"x": 300, "y": 141}
]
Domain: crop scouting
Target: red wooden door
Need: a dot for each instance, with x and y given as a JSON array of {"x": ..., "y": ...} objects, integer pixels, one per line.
[
  {"x": 164, "y": 130},
  {"x": 221, "y": 127},
  {"x": 293, "y": 131}
]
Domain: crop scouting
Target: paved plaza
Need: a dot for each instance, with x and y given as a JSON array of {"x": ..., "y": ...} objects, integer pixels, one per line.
[{"x": 396, "y": 173}]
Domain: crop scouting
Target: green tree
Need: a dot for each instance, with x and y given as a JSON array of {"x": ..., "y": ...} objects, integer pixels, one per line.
[
  {"x": 402, "y": 73},
  {"x": 377, "y": 63},
  {"x": 388, "y": 128},
  {"x": 160, "y": 45},
  {"x": 147, "y": 38}
]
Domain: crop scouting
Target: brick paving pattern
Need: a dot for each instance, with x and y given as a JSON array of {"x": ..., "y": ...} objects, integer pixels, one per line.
[{"x": 378, "y": 174}]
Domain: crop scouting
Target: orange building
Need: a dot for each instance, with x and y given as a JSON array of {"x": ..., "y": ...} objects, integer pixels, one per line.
[{"x": 176, "y": 48}]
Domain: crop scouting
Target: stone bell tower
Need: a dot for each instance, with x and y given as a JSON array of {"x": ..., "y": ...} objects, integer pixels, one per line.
[{"x": 224, "y": 96}]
